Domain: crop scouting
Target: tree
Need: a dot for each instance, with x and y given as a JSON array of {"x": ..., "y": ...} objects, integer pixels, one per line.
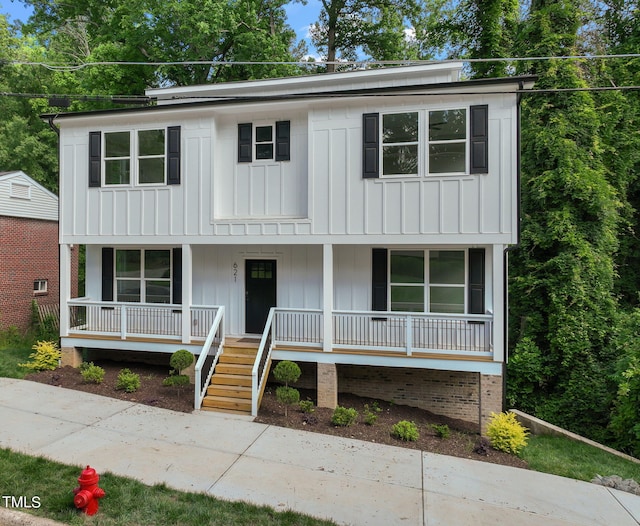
[{"x": 563, "y": 306}]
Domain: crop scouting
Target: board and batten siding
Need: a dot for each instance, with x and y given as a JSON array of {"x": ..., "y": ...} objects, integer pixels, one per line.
[
  {"x": 21, "y": 196},
  {"x": 319, "y": 193}
]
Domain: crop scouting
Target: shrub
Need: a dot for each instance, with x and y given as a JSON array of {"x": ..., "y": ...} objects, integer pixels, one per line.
[
  {"x": 287, "y": 372},
  {"x": 180, "y": 360},
  {"x": 176, "y": 380},
  {"x": 128, "y": 381},
  {"x": 91, "y": 374},
  {"x": 307, "y": 406},
  {"x": 442, "y": 430},
  {"x": 371, "y": 414},
  {"x": 405, "y": 430},
  {"x": 506, "y": 433},
  {"x": 45, "y": 358},
  {"x": 343, "y": 416},
  {"x": 287, "y": 396}
]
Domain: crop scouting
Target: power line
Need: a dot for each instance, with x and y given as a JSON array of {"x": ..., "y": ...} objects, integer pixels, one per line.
[{"x": 360, "y": 63}]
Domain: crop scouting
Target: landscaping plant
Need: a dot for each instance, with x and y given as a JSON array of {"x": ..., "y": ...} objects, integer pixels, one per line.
[
  {"x": 180, "y": 360},
  {"x": 442, "y": 430},
  {"x": 344, "y": 416},
  {"x": 128, "y": 381},
  {"x": 506, "y": 433},
  {"x": 405, "y": 430},
  {"x": 91, "y": 373},
  {"x": 45, "y": 358},
  {"x": 307, "y": 406},
  {"x": 287, "y": 372},
  {"x": 371, "y": 413}
]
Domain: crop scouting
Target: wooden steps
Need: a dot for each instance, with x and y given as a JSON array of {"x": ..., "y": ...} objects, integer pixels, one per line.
[{"x": 230, "y": 387}]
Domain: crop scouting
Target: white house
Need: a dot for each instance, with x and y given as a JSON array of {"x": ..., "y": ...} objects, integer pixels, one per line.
[{"x": 356, "y": 222}]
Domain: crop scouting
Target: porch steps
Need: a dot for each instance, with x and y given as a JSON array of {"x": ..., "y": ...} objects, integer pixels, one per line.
[{"x": 230, "y": 387}]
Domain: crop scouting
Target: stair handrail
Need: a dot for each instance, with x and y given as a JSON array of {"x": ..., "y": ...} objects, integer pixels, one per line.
[
  {"x": 217, "y": 329},
  {"x": 260, "y": 364}
]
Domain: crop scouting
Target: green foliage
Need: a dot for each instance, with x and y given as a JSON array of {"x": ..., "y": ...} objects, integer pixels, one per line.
[
  {"x": 45, "y": 358},
  {"x": 180, "y": 360},
  {"x": 442, "y": 430},
  {"x": 287, "y": 372},
  {"x": 91, "y": 373},
  {"x": 344, "y": 416},
  {"x": 405, "y": 430},
  {"x": 307, "y": 406},
  {"x": 287, "y": 396},
  {"x": 506, "y": 433},
  {"x": 176, "y": 380},
  {"x": 371, "y": 413},
  {"x": 128, "y": 381}
]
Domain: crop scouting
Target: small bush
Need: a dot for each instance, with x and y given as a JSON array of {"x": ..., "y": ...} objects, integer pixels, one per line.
[
  {"x": 343, "y": 416},
  {"x": 287, "y": 372},
  {"x": 128, "y": 381},
  {"x": 405, "y": 430},
  {"x": 371, "y": 413},
  {"x": 45, "y": 358},
  {"x": 307, "y": 406},
  {"x": 442, "y": 430},
  {"x": 91, "y": 374},
  {"x": 506, "y": 433},
  {"x": 180, "y": 360},
  {"x": 176, "y": 380},
  {"x": 287, "y": 396}
]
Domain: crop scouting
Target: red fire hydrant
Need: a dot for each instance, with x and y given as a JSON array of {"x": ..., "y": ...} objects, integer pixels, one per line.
[{"x": 88, "y": 493}]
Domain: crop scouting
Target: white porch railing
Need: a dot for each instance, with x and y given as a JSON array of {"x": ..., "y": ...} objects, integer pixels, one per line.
[
  {"x": 150, "y": 320},
  {"x": 211, "y": 350},
  {"x": 401, "y": 332},
  {"x": 263, "y": 356}
]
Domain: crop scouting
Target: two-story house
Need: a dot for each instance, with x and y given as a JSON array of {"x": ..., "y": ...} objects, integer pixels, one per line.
[{"x": 355, "y": 223}]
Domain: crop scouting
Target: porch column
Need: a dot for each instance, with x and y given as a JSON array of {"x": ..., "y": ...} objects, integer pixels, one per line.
[
  {"x": 65, "y": 272},
  {"x": 187, "y": 292},
  {"x": 327, "y": 297},
  {"x": 499, "y": 284}
]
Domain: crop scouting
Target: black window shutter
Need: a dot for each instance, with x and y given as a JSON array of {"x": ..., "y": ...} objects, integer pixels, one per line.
[
  {"x": 244, "y": 142},
  {"x": 379, "y": 279},
  {"x": 476, "y": 281},
  {"x": 370, "y": 146},
  {"x": 479, "y": 139},
  {"x": 177, "y": 276},
  {"x": 283, "y": 141},
  {"x": 95, "y": 159},
  {"x": 173, "y": 155},
  {"x": 107, "y": 274}
]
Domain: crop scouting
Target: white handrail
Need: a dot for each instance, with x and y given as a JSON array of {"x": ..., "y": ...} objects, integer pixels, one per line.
[
  {"x": 208, "y": 343},
  {"x": 256, "y": 384}
]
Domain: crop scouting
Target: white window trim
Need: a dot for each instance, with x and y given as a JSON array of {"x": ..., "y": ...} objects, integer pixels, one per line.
[
  {"x": 141, "y": 279},
  {"x": 40, "y": 286},
  {"x": 424, "y": 143},
  {"x": 134, "y": 159}
]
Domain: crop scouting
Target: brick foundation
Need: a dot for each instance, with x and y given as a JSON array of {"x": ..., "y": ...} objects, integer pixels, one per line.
[
  {"x": 490, "y": 398},
  {"x": 327, "y": 385}
]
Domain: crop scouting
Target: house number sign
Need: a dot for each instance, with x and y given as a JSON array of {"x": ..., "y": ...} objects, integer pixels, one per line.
[{"x": 235, "y": 272}]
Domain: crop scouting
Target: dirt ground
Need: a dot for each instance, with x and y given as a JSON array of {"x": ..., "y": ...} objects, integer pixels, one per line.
[{"x": 463, "y": 440}]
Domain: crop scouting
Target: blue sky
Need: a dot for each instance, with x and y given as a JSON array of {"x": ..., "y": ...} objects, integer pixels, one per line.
[{"x": 299, "y": 16}]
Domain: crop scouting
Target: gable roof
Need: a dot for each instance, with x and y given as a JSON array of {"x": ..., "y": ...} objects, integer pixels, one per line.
[{"x": 22, "y": 196}]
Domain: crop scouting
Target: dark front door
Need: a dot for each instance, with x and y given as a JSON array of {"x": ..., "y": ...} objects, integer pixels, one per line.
[{"x": 260, "y": 293}]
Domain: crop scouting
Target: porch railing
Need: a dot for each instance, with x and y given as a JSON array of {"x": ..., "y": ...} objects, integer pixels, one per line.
[
  {"x": 150, "y": 320},
  {"x": 302, "y": 327},
  {"x": 260, "y": 366},
  {"x": 211, "y": 350},
  {"x": 410, "y": 332}
]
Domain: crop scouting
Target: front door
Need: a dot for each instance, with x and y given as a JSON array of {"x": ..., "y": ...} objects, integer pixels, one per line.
[{"x": 260, "y": 293}]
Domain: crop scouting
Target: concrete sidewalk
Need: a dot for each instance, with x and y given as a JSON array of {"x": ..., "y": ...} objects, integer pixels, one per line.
[{"x": 349, "y": 481}]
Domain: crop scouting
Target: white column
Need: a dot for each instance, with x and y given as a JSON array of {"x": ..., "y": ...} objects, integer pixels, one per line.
[
  {"x": 65, "y": 272},
  {"x": 187, "y": 292},
  {"x": 327, "y": 296},
  {"x": 498, "y": 285}
]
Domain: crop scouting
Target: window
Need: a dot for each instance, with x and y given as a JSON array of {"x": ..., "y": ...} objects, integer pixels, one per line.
[
  {"x": 143, "y": 276},
  {"x": 40, "y": 286},
  {"x": 138, "y": 157},
  {"x": 444, "y": 289},
  {"x": 426, "y": 142},
  {"x": 264, "y": 142}
]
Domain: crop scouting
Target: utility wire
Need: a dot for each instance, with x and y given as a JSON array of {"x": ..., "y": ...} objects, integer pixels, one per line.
[{"x": 361, "y": 63}]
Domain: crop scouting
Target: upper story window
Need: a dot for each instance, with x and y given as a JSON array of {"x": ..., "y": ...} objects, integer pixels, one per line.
[
  {"x": 264, "y": 142},
  {"x": 433, "y": 142},
  {"x": 135, "y": 157}
]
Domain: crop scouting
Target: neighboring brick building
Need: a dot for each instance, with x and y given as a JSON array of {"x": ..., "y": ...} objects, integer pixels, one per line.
[{"x": 29, "y": 255}]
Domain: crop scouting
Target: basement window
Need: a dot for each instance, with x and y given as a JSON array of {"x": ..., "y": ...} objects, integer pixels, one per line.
[{"x": 40, "y": 286}]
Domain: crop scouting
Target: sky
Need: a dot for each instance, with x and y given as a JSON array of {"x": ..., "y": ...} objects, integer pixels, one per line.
[{"x": 299, "y": 16}]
